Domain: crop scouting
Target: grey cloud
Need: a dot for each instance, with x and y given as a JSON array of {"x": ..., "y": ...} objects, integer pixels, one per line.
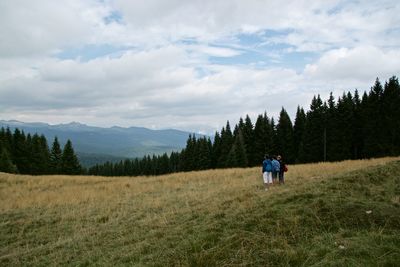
[{"x": 31, "y": 28}]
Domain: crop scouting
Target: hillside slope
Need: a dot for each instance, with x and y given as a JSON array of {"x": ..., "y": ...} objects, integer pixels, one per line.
[{"x": 328, "y": 214}]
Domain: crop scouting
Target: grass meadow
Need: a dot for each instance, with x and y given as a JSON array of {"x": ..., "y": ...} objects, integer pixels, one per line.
[{"x": 327, "y": 214}]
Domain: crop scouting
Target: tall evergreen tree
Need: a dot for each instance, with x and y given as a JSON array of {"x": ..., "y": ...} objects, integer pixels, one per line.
[
  {"x": 70, "y": 164},
  {"x": 2, "y": 137},
  {"x": 56, "y": 157},
  {"x": 44, "y": 154},
  {"x": 164, "y": 164},
  {"x": 391, "y": 117},
  {"x": 203, "y": 154},
  {"x": 263, "y": 137},
  {"x": 226, "y": 145},
  {"x": 273, "y": 139},
  {"x": 237, "y": 156},
  {"x": 345, "y": 113},
  {"x": 248, "y": 139},
  {"x": 189, "y": 154},
  {"x": 20, "y": 152},
  {"x": 372, "y": 116},
  {"x": 29, "y": 153},
  {"x": 216, "y": 150},
  {"x": 174, "y": 162},
  {"x": 332, "y": 131},
  {"x": 284, "y": 133},
  {"x": 260, "y": 130},
  {"x": 37, "y": 160},
  {"x": 8, "y": 143},
  {"x": 312, "y": 149},
  {"x": 358, "y": 138}
]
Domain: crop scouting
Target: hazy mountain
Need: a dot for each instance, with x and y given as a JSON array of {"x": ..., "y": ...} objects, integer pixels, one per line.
[{"x": 96, "y": 144}]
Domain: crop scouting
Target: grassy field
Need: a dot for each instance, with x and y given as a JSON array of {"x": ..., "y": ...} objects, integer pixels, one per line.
[{"x": 327, "y": 214}]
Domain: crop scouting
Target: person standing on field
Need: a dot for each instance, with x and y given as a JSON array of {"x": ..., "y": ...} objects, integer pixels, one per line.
[
  {"x": 267, "y": 172},
  {"x": 275, "y": 170},
  {"x": 282, "y": 170}
]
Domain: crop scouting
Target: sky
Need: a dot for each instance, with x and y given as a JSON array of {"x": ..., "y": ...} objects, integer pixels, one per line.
[{"x": 188, "y": 65}]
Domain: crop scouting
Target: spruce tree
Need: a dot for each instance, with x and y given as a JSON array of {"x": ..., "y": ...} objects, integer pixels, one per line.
[
  {"x": 39, "y": 154},
  {"x": 37, "y": 160},
  {"x": 45, "y": 153},
  {"x": 189, "y": 155},
  {"x": 332, "y": 130},
  {"x": 237, "y": 156},
  {"x": 226, "y": 145},
  {"x": 391, "y": 117},
  {"x": 20, "y": 152},
  {"x": 216, "y": 150},
  {"x": 2, "y": 137},
  {"x": 8, "y": 143},
  {"x": 261, "y": 137},
  {"x": 29, "y": 152},
  {"x": 174, "y": 162},
  {"x": 70, "y": 164},
  {"x": 312, "y": 149},
  {"x": 373, "y": 122},
  {"x": 345, "y": 122},
  {"x": 203, "y": 154},
  {"x": 358, "y": 138},
  {"x": 164, "y": 164},
  {"x": 55, "y": 157},
  {"x": 284, "y": 133},
  {"x": 273, "y": 150},
  {"x": 248, "y": 139}
]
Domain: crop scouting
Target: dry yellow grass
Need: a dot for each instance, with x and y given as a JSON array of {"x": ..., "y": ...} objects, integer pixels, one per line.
[{"x": 22, "y": 191}]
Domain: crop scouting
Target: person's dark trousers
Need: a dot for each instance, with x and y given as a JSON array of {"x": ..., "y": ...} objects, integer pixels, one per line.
[{"x": 281, "y": 178}]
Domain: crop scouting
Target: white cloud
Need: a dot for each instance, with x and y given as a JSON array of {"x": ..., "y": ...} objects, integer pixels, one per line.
[
  {"x": 213, "y": 51},
  {"x": 358, "y": 64}
]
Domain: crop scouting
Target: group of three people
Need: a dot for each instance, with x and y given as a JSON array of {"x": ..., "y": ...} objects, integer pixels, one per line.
[{"x": 273, "y": 167}]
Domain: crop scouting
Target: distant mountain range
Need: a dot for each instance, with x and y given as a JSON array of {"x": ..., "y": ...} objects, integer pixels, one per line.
[{"x": 97, "y": 145}]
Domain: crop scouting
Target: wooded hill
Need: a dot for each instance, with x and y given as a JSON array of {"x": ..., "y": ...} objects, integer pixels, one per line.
[
  {"x": 26, "y": 154},
  {"x": 349, "y": 127}
]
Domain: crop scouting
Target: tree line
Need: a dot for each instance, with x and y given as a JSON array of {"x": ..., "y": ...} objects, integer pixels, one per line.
[
  {"x": 349, "y": 127},
  {"x": 30, "y": 154}
]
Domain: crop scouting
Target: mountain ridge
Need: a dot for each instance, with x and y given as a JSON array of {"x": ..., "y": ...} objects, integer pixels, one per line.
[{"x": 116, "y": 142}]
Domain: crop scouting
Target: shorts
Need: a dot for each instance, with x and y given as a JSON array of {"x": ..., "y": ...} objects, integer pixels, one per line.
[
  {"x": 274, "y": 175},
  {"x": 267, "y": 176}
]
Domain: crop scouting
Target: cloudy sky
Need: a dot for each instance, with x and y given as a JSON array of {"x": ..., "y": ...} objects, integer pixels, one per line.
[{"x": 188, "y": 65}]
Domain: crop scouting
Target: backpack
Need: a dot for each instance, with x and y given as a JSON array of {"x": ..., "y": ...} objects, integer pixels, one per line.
[{"x": 285, "y": 169}]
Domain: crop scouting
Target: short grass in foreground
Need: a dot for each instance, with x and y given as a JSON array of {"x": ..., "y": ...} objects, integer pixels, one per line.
[{"x": 328, "y": 214}]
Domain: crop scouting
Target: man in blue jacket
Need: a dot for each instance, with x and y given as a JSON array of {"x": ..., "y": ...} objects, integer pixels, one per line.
[
  {"x": 275, "y": 169},
  {"x": 267, "y": 172}
]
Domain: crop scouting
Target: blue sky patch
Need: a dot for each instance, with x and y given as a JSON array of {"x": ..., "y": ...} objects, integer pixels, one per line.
[
  {"x": 92, "y": 51},
  {"x": 115, "y": 16},
  {"x": 265, "y": 49}
]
